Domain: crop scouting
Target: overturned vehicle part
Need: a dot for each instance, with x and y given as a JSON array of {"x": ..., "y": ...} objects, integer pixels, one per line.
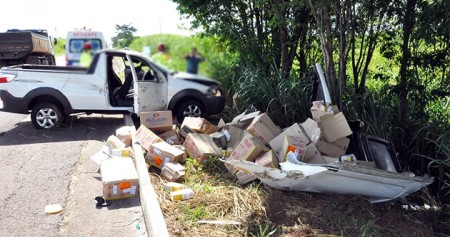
[{"x": 340, "y": 177}]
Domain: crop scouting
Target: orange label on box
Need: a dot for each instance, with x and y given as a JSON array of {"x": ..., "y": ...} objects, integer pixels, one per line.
[
  {"x": 158, "y": 160},
  {"x": 124, "y": 185},
  {"x": 291, "y": 148}
]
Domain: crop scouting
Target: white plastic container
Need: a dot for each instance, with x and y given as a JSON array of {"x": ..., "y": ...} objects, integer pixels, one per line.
[
  {"x": 172, "y": 186},
  {"x": 182, "y": 195}
]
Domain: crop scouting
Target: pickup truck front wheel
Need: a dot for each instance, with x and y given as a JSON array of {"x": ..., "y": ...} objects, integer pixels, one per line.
[
  {"x": 46, "y": 116},
  {"x": 190, "y": 108}
]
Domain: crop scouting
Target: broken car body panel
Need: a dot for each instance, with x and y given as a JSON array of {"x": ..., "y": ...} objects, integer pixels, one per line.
[{"x": 340, "y": 177}]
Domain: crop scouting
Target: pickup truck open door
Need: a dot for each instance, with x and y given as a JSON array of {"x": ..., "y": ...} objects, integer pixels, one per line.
[{"x": 150, "y": 86}]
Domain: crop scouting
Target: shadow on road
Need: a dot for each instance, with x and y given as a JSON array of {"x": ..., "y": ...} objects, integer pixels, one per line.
[{"x": 76, "y": 129}]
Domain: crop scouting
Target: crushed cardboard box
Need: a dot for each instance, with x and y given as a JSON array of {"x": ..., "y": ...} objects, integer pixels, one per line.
[
  {"x": 268, "y": 159},
  {"x": 334, "y": 127},
  {"x": 157, "y": 121},
  {"x": 161, "y": 153},
  {"x": 184, "y": 131},
  {"x": 199, "y": 125},
  {"x": 119, "y": 178},
  {"x": 124, "y": 134},
  {"x": 171, "y": 137},
  {"x": 115, "y": 142},
  {"x": 263, "y": 128},
  {"x": 318, "y": 110},
  {"x": 145, "y": 137},
  {"x": 336, "y": 149},
  {"x": 277, "y": 143},
  {"x": 295, "y": 145},
  {"x": 201, "y": 146},
  {"x": 219, "y": 139},
  {"x": 234, "y": 135},
  {"x": 248, "y": 149},
  {"x": 173, "y": 171}
]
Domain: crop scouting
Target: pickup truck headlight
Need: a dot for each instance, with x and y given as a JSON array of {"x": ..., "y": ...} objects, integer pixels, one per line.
[{"x": 215, "y": 91}]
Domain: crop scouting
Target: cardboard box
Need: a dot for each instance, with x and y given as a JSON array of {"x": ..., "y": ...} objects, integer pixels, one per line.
[
  {"x": 157, "y": 121},
  {"x": 244, "y": 178},
  {"x": 121, "y": 152},
  {"x": 313, "y": 155},
  {"x": 219, "y": 139},
  {"x": 201, "y": 146},
  {"x": 200, "y": 125},
  {"x": 146, "y": 138},
  {"x": 119, "y": 178},
  {"x": 277, "y": 143},
  {"x": 263, "y": 128},
  {"x": 184, "y": 131},
  {"x": 234, "y": 135},
  {"x": 172, "y": 171},
  {"x": 336, "y": 149},
  {"x": 171, "y": 137},
  {"x": 334, "y": 127},
  {"x": 248, "y": 118},
  {"x": 248, "y": 149},
  {"x": 268, "y": 159},
  {"x": 238, "y": 118},
  {"x": 294, "y": 144},
  {"x": 161, "y": 153},
  {"x": 115, "y": 142},
  {"x": 124, "y": 134},
  {"x": 311, "y": 128},
  {"x": 318, "y": 110}
]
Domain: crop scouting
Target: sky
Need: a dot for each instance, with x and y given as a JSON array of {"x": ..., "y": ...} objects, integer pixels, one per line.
[{"x": 61, "y": 16}]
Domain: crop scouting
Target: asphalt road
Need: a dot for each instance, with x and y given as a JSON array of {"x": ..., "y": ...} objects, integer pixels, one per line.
[{"x": 38, "y": 168}]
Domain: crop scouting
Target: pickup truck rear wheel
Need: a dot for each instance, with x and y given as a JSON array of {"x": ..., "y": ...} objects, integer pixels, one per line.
[
  {"x": 46, "y": 116},
  {"x": 190, "y": 108}
]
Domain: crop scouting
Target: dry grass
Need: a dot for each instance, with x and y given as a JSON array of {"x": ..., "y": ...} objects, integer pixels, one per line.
[
  {"x": 267, "y": 212},
  {"x": 217, "y": 197}
]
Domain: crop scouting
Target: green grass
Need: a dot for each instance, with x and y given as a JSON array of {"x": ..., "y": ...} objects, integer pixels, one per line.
[{"x": 179, "y": 46}]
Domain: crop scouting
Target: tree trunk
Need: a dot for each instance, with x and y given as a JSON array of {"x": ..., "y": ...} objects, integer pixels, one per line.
[{"x": 408, "y": 25}]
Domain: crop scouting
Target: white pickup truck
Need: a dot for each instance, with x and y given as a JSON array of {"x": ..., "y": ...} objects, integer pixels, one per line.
[{"x": 118, "y": 81}]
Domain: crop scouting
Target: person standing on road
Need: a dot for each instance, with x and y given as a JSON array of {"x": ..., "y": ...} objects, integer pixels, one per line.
[
  {"x": 86, "y": 56},
  {"x": 193, "y": 59}
]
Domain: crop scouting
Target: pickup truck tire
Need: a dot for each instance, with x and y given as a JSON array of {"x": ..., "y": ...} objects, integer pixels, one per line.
[
  {"x": 46, "y": 116},
  {"x": 190, "y": 108}
]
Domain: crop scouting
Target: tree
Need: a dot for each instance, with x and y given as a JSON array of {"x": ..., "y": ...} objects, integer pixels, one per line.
[
  {"x": 124, "y": 35},
  {"x": 266, "y": 33}
]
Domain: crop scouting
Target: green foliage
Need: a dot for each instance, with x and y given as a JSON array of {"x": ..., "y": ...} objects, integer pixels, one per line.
[
  {"x": 265, "y": 230},
  {"x": 218, "y": 62},
  {"x": 58, "y": 49},
  {"x": 124, "y": 36},
  {"x": 285, "y": 100}
]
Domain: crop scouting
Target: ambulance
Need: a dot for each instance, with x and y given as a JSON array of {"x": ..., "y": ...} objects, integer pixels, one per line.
[{"x": 76, "y": 40}]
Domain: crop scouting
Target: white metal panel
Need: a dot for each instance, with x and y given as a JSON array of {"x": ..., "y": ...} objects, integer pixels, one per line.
[{"x": 376, "y": 185}]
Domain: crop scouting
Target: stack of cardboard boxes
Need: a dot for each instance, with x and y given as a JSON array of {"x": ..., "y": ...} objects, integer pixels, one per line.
[
  {"x": 249, "y": 136},
  {"x": 317, "y": 141},
  {"x": 119, "y": 176}
]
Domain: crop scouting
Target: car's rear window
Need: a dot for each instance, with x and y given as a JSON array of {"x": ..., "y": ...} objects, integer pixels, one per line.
[{"x": 76, "y": 45}]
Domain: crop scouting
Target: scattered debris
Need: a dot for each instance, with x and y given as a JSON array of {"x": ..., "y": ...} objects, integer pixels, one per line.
[
  {"x": 181, "y": 195},
  {"x": 53, "y": 209},
  {"x": 219, "y": 222}
]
